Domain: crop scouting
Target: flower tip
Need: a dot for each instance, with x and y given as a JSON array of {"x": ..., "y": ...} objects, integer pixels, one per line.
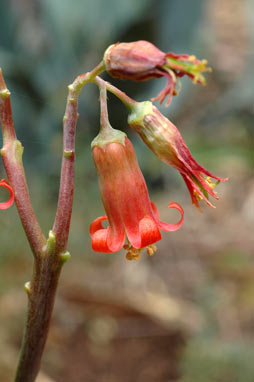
[
  {"x": 210, "y": 204},
  {"x": 196, "y": 203},
  {"x": 198, "y": 207}
]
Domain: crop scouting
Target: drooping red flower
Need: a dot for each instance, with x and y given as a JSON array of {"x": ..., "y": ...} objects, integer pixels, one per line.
[
  {"x": 9, "y": 202},
  {"x": 165, "y": 140},
  {"x": 141, "y": 61},
  {"x": 129, "y": 210}
]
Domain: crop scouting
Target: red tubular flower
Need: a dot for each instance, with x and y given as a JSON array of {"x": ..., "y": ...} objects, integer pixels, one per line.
[
  {"x": 129, "y": 210},
  {"x": 164, "y": 139},
  {"x": 9, "y": 202},
  {"x": 141, "y": 61}
]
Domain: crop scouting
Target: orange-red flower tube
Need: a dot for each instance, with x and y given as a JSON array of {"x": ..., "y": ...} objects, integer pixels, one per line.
[{"x": 129, "y": 210}]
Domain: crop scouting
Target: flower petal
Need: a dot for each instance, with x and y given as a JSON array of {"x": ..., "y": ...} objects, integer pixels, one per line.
[
  {"x": 155, "y": 211},
  {"x": 9, "y": 202},
  {"x": 99, "y": 235},
  {"x": 199, "y": 194},
  {"x": 106, "y": 239},
  {"x": 99, "y": 241},
  {"x": 169, "y": 227},
  {"x": 116, "y": 238},
  {"x": 96, "y": 224},
  {"x": 149, "y": 232},
  {"x": 168, "y": 90}
]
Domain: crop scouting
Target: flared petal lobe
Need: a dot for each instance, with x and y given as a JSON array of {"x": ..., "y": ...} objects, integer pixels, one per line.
[
  {"x": 165, "y": 226},
  {"x": 102, "y": 237},
  {"x": 149, "y": 232},
  {"x": 9, "y": 202}
]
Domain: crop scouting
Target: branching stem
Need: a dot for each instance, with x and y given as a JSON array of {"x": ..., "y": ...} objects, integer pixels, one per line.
[{"x": 49, "y": 254}]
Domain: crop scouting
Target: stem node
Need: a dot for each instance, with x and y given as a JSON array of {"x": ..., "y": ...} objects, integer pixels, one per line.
[
  {"x": 27, "y": 287},
  {"x": 64, "y": 257},
  {"x": 5, "y": 93},
  {"x": 68, "y": 153}
]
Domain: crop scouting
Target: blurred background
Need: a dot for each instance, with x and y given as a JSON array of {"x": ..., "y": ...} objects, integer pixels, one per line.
[{"x": 185, "y": 314}]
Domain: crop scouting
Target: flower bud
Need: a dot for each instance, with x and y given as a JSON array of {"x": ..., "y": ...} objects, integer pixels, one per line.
[
  {"x": 165, "y": 140},
  {"x": 134, "y": 60},
  {"x": 141, "y": 61}
]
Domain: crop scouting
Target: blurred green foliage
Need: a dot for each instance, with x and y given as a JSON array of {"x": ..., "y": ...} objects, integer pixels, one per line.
[{"x": 208, "y": 361}]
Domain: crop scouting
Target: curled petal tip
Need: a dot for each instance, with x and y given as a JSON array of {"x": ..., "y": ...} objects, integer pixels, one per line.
[
  {"x": 172, "y": 227},
  {"x": 104, "y": 239},
  {"x": 99, "y": 235},
  {"x": 99, "y": 241},
  {"x": 9, "y": 202},
  {"x": 96, "y": 224},
  {"x": 180, "y": 209}
]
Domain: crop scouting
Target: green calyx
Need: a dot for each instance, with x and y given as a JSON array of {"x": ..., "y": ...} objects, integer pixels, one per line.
[
  {"x": 105, "y": 55},
  {"x": 139, "y": 111},
  {"x": 108, "y": 135}
]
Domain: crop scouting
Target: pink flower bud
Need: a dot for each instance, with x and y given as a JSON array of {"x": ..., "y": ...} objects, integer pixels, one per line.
[
  {"x": 141, "y": 61},
  {"x": 137, "y": 60}
]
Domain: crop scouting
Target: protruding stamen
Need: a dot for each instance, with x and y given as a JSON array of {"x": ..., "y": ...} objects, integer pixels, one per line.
[
  {"x": 197, "y": 195},
  {"x": 151, "y": 250},
  {"x": 211, "y": 184},
  {"x": 132, "y": 255}
]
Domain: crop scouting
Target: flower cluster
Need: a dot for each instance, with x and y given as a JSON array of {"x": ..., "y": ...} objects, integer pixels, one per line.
[{"x": 129, "y": 211}]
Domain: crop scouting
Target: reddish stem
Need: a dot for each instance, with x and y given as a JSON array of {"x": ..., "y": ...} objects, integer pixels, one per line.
[
  {"x": 65, "y": 199},
  {"x": 12, "y": 158},
  {"x": 66, "y": 190}
]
